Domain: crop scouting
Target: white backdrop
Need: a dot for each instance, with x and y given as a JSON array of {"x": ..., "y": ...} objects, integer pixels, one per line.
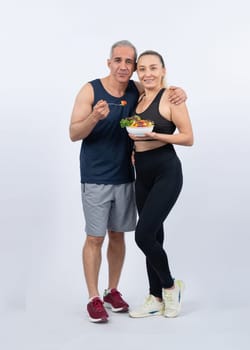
[{"x": 49, "y": 49}]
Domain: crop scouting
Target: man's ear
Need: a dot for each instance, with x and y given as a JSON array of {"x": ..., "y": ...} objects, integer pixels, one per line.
[
  {"x": 108, "y": 62},
  {"x": 135, "y": 66}
]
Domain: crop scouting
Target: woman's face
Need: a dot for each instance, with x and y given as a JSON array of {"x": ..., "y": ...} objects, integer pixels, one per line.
[{"x": 150, "y": 71}]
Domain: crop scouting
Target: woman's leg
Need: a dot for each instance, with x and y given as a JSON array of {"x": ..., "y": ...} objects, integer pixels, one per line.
[
  {"x": 156, "y": 207},
  {"x": 155, "y": 285}
]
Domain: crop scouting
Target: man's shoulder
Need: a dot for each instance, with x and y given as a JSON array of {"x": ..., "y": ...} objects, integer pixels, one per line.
[
  {"x": 90, "y": 85},
  {"x": 86, "y": 91},
  {"x": 132, "y": 83},
  {"x": 94, "y": 80},
  {"x": 133, "y": 86}
]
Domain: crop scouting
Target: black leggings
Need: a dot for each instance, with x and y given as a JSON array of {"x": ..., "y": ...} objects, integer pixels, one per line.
[{"x": 157, "y": 187}]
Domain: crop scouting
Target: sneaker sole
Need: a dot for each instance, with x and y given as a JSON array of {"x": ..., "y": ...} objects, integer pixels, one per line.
[
  {"x": 118, "y": 309},
  {"x": 157, "y": 313},
  {"x": 98, "y": 320}
]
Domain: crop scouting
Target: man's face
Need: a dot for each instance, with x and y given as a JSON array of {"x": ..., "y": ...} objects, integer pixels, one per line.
[{"x": 122, "y": 63}]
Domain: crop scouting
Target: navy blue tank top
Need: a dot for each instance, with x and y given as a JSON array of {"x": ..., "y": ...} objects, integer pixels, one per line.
[
  {"x": 162, "y": 125},
  {"x": 105, "y": 156}
]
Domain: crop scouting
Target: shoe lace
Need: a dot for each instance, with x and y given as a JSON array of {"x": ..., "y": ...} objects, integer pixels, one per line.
[
  {"x": 116, "y": 293},
  {"x": 148, "y": 300},
  {"x": 169, "y": 297},
  {"x": 98, "y": 304}
]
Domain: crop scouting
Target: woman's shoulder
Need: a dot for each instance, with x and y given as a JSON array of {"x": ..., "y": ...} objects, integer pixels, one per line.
[{"x": 165, "y": 95}]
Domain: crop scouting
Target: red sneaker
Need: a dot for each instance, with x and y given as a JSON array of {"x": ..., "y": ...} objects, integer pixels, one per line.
[
  {"x": 114, "y": 301},
  {"x": 96, "y": 310}
]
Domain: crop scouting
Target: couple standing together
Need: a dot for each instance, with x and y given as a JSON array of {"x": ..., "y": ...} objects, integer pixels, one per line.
[{"x": 111, "y": 193}]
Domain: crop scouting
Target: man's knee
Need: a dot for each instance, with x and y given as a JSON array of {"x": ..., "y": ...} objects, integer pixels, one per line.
[
  {"x": 116, "y": 237},
  {"x": 95, "y": 242}
]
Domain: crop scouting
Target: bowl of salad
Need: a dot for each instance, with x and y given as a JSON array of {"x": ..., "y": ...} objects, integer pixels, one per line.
[{"x": 137, "y": 126}]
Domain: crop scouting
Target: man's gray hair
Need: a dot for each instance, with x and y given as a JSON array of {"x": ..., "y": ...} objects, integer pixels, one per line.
[{"x": 123, "y": 43}]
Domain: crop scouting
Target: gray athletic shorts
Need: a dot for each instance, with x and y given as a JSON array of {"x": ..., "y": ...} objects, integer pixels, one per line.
[{"x": 108, "y": 207}]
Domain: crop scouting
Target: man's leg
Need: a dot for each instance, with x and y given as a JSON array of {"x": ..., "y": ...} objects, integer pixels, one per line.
[
  {"x": 115, "y": 255},
  {"x": 91, "y": 257}
]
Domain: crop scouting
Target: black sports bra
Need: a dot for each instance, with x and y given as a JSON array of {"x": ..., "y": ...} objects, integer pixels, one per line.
[{"x": 162, "y": 125}]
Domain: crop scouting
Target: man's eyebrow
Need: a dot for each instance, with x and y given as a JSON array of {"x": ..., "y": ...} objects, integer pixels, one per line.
[{"x": 126, "y": 58}]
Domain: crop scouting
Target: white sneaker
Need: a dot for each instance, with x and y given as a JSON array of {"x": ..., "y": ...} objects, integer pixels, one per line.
[
  {"x": 172, "y": 299},
  {"x": 151, "y": 307}
]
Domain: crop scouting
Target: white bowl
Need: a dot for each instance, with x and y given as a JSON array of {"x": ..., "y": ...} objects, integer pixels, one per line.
[{"x": 139, "y": 130}]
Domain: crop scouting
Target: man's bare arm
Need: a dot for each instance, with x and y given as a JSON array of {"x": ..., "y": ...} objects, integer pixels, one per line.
[
  {"x": 177, "y": 95},
  {"x": 84, "y": 117}
]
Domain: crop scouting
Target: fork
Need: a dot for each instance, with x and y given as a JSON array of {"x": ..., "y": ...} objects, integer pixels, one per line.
[{"x": 123, "y": 103}]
